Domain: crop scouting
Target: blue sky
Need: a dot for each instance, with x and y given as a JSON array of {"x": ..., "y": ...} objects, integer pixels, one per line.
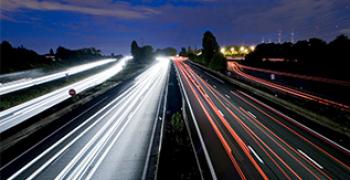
[{"x": 112, "y": 25}]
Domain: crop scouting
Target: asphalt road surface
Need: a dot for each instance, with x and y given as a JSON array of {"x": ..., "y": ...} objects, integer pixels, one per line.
[
  {"x": 20, "y": 113},
  {"x": 29, "y": 82},
  {"x": 248, "y": 139},
  {"x": 110, "y": 141}
]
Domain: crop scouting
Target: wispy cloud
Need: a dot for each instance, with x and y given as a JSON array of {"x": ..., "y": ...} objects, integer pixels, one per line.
[{"x": 89, "y": 7}]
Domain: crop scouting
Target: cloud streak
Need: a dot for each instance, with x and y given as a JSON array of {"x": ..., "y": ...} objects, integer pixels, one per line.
[{"x": 96, "y": 8}]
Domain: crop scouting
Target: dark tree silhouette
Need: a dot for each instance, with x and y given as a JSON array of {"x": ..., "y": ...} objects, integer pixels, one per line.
[
  {"x": 210, "y": 46},
  {"x": 15, "y": 59},
  {"x": 313, "y": 56},
  {"x": 134, "y": 48},
  {"x": 79, "y": 54},
  {"x": 183, "y": 52},
  {"x": 141, "y": 54},
  {"x": 218, "y": 62},
  {"x": 210, "y": 55},
  {"x": 51, "y": 52},
  {"x": 169, "y": 51}
]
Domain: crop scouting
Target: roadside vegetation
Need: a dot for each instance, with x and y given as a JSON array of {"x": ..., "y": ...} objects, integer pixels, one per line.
[
  {"x": 210, "y": 55},
  {"x": 311, "y": 57},
  {"x": 146, "y": 54},
  {"x": 177, "y": 158},
  {"x": 20, "y": 58}
]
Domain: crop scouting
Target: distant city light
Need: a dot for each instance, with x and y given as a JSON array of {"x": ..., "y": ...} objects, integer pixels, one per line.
[
  {"x": 252, "y": 48},
  {"x": 222, "y": 50},
  {"x": 242, "y": 49}
]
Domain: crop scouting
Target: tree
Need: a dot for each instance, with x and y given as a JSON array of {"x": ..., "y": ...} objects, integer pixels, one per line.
[
  {"x": 51, "y": 52},
  {"x": 338, "y": 52},
  {"x": 218, "y": 62},
  {"x": 169, "y": 51},
  {"x": 141, "y": 54},
  {"x": 15, "y": 59},
  {"x": 134, "y": 48},
  {"x": 183, "y": 52},
  {"x": 147, "y": 52},
  {"x": 210, "y": 46}
]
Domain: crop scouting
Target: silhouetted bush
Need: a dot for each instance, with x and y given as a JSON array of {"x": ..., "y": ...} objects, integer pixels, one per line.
[
  {"x": 169, "y": 51},
  {"x": 142, "y": 54},
  {"x": 218, "y": 62}
]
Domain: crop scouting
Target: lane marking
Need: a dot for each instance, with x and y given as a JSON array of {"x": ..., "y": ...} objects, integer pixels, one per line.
[
  {"x": 227, "y": 96},
  {"x": 99, "y": 140},
  {"x": 256, "y": 155},
  {"x": 301, "y": 125},
  {"x": 130, "y": 91},
  {"x": 221, "y": 113},
  {"x": 251, "y": 114},
  {"x": 309, "y": 158},
  {"x": 206, "y": 154},
  {"x": 214, "y": 86},
  {"x": 47, "y": 137}
]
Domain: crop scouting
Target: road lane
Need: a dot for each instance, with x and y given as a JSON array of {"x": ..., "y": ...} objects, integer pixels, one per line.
[
  {"x": 282, "y": 149},
  {"x": 29, "y": 82},
  {"x": 18, "y": 114},
  {"x": 110, "y": 144},
  {"x": 222, "y": 149},
  {"x": 297, "y": 76},
  {"x": 234, "y": 67}
]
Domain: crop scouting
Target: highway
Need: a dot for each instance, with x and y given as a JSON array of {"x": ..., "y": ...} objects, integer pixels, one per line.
[
  {"x": 29, "y": 82},
  {"x": 293, "y": 75},
  {"x": 108, "y": 140},
  {"x": 18, "y": 114},
  {"x": 236, "y": 68},
  {"x": 248, "y": 139}
]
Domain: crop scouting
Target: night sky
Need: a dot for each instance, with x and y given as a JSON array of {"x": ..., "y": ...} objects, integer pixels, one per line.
[{"x": 111, "y": 25}]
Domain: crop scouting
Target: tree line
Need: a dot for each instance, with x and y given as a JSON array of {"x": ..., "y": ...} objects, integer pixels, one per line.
[
  {"x": 20, "y": 58},
  {"x": 209, "y": 55},
  {"x": 313, "y": 56},
  {"x": 145, "y": 54}
]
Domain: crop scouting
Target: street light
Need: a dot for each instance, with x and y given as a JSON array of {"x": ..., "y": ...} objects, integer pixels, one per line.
[
  {"x": 241, "y": 49},
  {"x": 252, "y": 48},
  {"x": 222, "y": 50}
]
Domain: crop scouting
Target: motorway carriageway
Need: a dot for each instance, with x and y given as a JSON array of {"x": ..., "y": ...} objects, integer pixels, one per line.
[
  {"x": 28, "y": 82},
  {"x": 111, "y": 142},
  {"x": 18, "y": 114},
  {"x": 234, "y": 67},
  {"x": 297, "y": 76},
  {"x": 247, "y": 139}
]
